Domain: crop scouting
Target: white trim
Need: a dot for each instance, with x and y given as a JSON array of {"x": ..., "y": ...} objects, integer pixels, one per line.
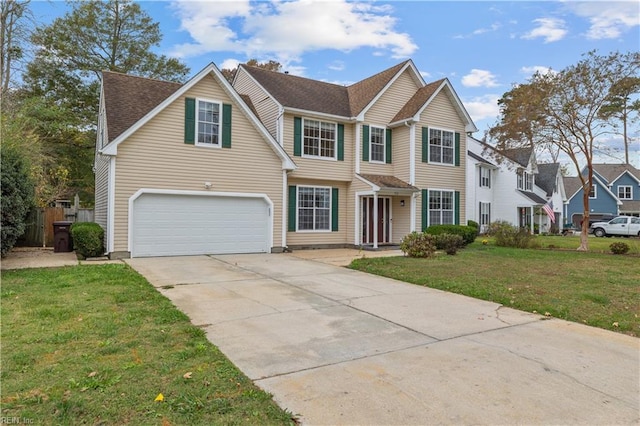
[
  {"x": 358, "y": 230},
  {"x": 320, "y": 115},
  {"x": 625, "y": 186},
  {"x": 412, "y": 154},
  {"x": 285, "y": 206},
  {"x": 413, "y": 215},
  {"x": 303, "y": 231},
  {"x": 453, "y": 191},
  {"x": 143, "y": 191},
  {"x": 453, "y": 157},
  {"x": 374, "y": 187},
  {"x": 335, "y": 140},
  {"x": 111, "y": 200},
  {"x": 287, "y": 162},
  {"x": 384, "y": 144},
  {"x": 219, "y": 124},
  {"x": 358, "y": 152},
  {"x": 594, "y": 188}
]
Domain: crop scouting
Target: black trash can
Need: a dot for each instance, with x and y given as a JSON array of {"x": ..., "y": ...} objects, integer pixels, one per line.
[{"x": 62, "y": 237}]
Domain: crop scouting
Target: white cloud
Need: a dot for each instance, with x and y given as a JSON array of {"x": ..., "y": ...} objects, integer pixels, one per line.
[
  {"x": 529, "y": 71},
  {"x": 285, "y": 30},
  {"x": 608, "y": 19},
  {"x": 230, "y": 64},
  {"x": 551, "y": 29},
  {"x": 482, "y": 107},
  {"x": 479, "y": 78},
  {"x": 336, "y": 66}
]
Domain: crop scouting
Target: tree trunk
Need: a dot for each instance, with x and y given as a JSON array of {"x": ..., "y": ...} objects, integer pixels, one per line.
[{"x": 586, "y": 189}]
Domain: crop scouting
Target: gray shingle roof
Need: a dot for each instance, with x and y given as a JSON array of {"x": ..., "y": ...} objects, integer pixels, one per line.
[
  {"x": 546, "y": 177},
  {"x": 519, "y": 155},
  {"x": 388, "y": 182},
  {"x": 571, "y": 185},
  {"x": 533, "y": 197},
  {"x": 128, "y": 98},
  {"x": 612, "y": 171},
  {"x": 416, "y": 102}
]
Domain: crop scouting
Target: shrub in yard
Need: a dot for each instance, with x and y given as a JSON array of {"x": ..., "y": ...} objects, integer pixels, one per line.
[
  {"x": 17, "y": 196},
  {"x": 450, "y": 243},
  {"x": 468, "y": 233},
  {"x": 87, "y": 239},
  {"x": 474, "y": 224},
  {"x": 507, "y": 235},
  {"x": 619, "y": 248},
  {"x": 418, "y": 244}
]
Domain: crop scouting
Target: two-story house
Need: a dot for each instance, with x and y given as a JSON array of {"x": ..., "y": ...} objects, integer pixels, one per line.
[
  {"x": 511, "y": 186},
  {"x": 276, "y": 161},
  {"x": 615, "y": 191}
]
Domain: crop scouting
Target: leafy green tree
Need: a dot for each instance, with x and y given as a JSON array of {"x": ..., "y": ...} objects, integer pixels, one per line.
[
  {"x": 17, "y": 196},
  {"x": 60, "y": 94},
  {"x": 563, "y": 109},
  {"x": 620, "y": 108}
]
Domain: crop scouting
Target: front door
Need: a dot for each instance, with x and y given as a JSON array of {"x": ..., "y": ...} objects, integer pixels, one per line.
[{"x": 384, "y": 220}]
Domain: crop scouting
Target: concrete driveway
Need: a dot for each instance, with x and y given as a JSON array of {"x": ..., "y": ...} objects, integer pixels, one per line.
[{"x": 337, "y": 346}]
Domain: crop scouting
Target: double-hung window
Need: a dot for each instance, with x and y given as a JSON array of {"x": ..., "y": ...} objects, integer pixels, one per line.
[
  {"x": 208, "y": 120},
  {"x": 485, "y": 177},
  {"x": 377, "y": 141},
  {"x": 525, "y": 180},
  {"x": 314, "y": 208},
  {"x": 593, "y": 193},
  {"x": 625, "y": 192},
  {"x": 441, "y": 146},
  {"x": 319, "y": 139},
  {"x": 441, "y": 207},
  {"x": 485, "y": 215}
]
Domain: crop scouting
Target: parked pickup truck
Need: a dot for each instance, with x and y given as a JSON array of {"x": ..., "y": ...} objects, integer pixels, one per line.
[{"x": 625, "y": 226}]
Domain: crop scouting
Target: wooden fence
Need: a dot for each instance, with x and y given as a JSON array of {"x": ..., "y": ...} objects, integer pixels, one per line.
[{"x": 39, "y": 232}]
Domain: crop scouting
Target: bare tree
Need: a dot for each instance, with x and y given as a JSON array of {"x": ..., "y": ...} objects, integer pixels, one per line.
[{"x": 14, "y": 32}]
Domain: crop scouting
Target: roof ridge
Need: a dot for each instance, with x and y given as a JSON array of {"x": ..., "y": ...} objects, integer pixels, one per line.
[
  {"x": 140, "y": 77},
  {"x": 291, "y": 75}
]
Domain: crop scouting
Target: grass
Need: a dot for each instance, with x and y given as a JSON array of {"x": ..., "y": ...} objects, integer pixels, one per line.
[
  {"x": 597, "y": 245},
  {"x": 97, "y": 345},
  {"x": 597, "y": 289}
]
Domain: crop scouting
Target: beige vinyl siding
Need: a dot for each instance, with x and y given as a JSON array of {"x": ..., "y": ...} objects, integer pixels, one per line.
[
  {"x": 441, "y": 114},
  {"x": 312, "y": 168},
  {"x": 266, "y": 107},
  {"x": 381, "y": 113},
  {"x": 400, "y": 150},
  {"x": 101, "y": 191},
  {"x": 401, "y": 224},
  {"x": 345, "y": 222},
  {"x": 156, "y": 157}
]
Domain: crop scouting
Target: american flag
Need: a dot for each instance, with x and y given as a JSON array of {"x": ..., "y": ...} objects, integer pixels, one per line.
[{"x": 548, "y": 209}]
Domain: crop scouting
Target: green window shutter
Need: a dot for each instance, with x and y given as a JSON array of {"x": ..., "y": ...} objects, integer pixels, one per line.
[
  {"x": 457, "y": 152},
  {"x": 340, "y": 142},
  {"x": 190, "y": 121},
  {"x": 365, "y": 142},
  {"x": 334, "y": 209},
  {"x": 292, "y": 208},
  {"x": 425, "y": 144},
  {"x": 226, "y": 126},
  {"x": 297, "y": 136},
  {"x": 425, "y": 209},
  {"x": 456, "y": 206},
  {"x": 388, "y": 147}
]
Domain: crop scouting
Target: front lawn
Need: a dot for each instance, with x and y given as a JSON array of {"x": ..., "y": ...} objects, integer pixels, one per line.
[
  {"x": 98, "y": 345},
  {"x": 572, "y": 242},
  {"x": 597, "y": 289}
]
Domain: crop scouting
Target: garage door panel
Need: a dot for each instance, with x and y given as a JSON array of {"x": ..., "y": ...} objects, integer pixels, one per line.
[{"x": 168, "y": 225}]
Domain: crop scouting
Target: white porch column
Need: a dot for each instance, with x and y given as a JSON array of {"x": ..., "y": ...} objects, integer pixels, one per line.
[
  {"x": 375, "y": 220},
  {"x": 413, "y": 213}
]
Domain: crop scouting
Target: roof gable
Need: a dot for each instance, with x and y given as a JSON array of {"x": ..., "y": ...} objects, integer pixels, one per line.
[
  {"x": 211, "y": 69},
  {"x": 573, "y": 186},
  {"x": 612, "y": 172},
  {"x": 547, "y": 177},
  {"x": 522, "y": 156}
]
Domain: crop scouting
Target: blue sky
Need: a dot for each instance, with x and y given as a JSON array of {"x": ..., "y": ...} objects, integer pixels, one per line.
[{"x": 482, "y": 47}]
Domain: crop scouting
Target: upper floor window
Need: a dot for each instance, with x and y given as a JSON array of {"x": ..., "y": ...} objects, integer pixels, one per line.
[
  {"x": 208, "y": 123},
  {"x": 525, "y": 180},
  {"x": 441, "y": 146},
  {"x": 625, "y": 192},
  {"x": 485, "y": 177},
  {"x": 377, "y": 141},
  {"x": 319, "y": 139},
  {"x": 593, "y": 193}
]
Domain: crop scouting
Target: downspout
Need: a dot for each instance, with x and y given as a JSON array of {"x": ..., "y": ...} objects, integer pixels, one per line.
[
  {"x": 412, "y": 152},
  {"x": 356, "y": 157},
  {"x": 285, "y": 194}
]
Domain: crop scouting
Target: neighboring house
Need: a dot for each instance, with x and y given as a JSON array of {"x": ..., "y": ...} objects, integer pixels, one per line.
[
  {"x": 615, "y": 191},
  {"x": 276, "y": 161},
  {"x": 511, "y": 186}
]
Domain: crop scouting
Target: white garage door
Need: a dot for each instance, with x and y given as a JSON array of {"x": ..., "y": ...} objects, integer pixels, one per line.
[{"x": 174, "y": 225}]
